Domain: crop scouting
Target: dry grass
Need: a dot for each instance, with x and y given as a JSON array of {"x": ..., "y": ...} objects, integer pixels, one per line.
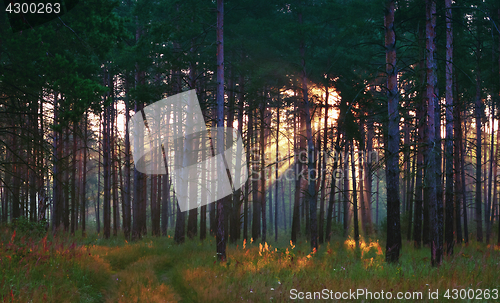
[{"x": 157, "y": 270}]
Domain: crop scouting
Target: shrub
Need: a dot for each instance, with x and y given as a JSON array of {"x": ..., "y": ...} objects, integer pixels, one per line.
[{"x": 32, "y": 228}]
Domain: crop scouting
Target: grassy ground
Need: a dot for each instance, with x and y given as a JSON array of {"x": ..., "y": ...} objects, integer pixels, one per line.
[{"x": 75, "y": 269}]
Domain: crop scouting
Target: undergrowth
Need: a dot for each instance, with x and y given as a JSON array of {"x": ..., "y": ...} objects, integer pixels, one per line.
[{"x": 91, "y": 269}]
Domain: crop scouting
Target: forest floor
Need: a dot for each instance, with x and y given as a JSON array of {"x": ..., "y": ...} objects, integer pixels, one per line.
[{"x": 92, "y": 269}]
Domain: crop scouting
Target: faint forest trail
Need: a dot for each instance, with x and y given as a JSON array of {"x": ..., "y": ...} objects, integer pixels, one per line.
[{"x": 140, "y": 274}]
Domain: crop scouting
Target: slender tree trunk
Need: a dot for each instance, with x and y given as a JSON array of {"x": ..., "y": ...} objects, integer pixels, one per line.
[
  {"x": 126, "y": 211},
  {"x": 458, "y": 178},
  {"x": 411, "y": 197},
  {"x": 478, "y": 116},
  {"x": 276, "y": 173},
  {"x": 498, "y": 138},
  {"x": 431, "y": 174},
  {"x": 106, "y": 163},
  {"x": 262, "y": 188},
  {"x": 449, "y": 131},
  {"x": 498, "y": 144},
  {"x": 393, "y": 245},
  {"x": 84, "y": 177},
  {"x": 464, "y": 188},
  {"x": 74, "y": 211},
  {"x": 377, "y": 199},
  {"x": 333, "y": 187},
  {"x": 354, "y": 194},
  {"x": 56, "y": 199},
  {"x": 66, "y": 183},
  {"x": 298, "y": 178},
  {"x": 212, "y": 206},
  {"x": 368, "y": 173},
  {"x": 490, "y": 202},
  {"x": 220, "y": 239},
  {"x": 98, "y": 200},
  {"x": 114, "y": 176},
  {"x": 323, "y": 172},
  {"x": 345, "y": 169},
  {"x": 137, "y": 191},
  {"x": 311, "y": 192},
  {"x": 182, "y": 161},
  {"x": 165, "y": 198},
  {"x": 256, "y": 213},
  {"x": 203, "y": 198}
]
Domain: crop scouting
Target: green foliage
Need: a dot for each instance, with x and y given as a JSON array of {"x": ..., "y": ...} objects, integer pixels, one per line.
[
  {"x": 49, "y": 270},
  {"x": 155, "y": 269},
  {"x": 30, "y": 228}
]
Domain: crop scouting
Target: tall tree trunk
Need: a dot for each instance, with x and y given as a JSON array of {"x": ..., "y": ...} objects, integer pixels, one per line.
[
  {"x": 490, "y": 202},
  {"x": 255, "y": 184},
  {"x": 276, "y": 181},
  {"x": 106, "y": 161},
  {"x": 262, "y": 191},
  {"x": 449, "y": 131},
  {"x": 241, "y": 98},
  {"x": 431, "y": 174},
  {"x": 192, "y": 228},
  {"x": 66, "y": 183},
  {"x": 393, "y": 245},
  {"x": 126, "y": 211},
  {"x": 212, "y": 206},
  {"x": 377, "y": 199},
  {"x": 74, "y": 210},
  {"x": 464, "y": 188},
  {"x": 84, "y": 177},
  {"x": 220, "y": 238},
  {"x": 57, "y": 186},
  {"x": 181, "y": 160},
  {"x": 498, "y": 138},
  {"x": 298, "y": 178},
  {"x": 354, "y": 194},
  {"x": 333, "y": 187},
  {"x": 98, "y": 200},
  {"x": 411, "y": 197},
  {"x": 323, "y": 171},
  {"x": 311, "y": 176},
  {"x": 239, "y": 162},
  {"x": 165, "y": 196},
  {"x": 114, "y": 180},
  {"x": 457, "y": 125},
  {"x": 345, "y": 192},
  {"x": 368, "y": 173},
  {"x": 478, "y": 116},
  {"x": 32, "y": 172},
  {"x": 137, "y": 190}
]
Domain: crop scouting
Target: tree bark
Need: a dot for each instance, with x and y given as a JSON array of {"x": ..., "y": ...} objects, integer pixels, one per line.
[
  {"x": 84, "y": 177},
  {"x": 220, "y": 238},
  {"x": 393, "y": 245},
  {"x": 431, "y": 174},
  {"x": 126, "y": 211},
  {"x": 311, "y": 176},
  {"x": 478, "y": 115},
  {"x": 354, "y": 194},
  {"x": 74, "y": 210},
  {"x": 457, "y": 125},
  {"x": 449, "y": 239}
]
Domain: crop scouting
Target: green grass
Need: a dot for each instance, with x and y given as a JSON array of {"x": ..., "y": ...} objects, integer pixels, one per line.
[{"x": 92, "y": 269}]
